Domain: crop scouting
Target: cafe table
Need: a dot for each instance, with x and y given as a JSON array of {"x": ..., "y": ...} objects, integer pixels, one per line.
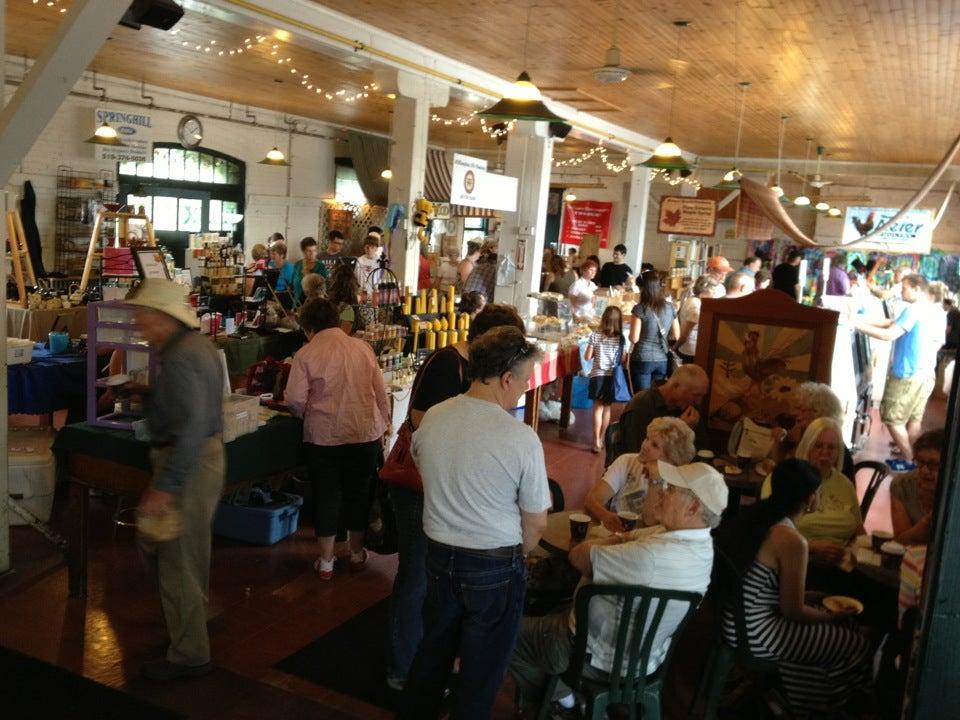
[
  {"x": 113, "y": 461},
  {"x": 563, "y": 365}
]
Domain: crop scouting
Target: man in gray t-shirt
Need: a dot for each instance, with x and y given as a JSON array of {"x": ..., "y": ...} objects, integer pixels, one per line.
[{"x": 485, "y": 499}]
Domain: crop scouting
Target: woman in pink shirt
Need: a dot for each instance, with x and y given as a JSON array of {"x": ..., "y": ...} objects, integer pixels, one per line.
[{"x": 337, "y": 388}]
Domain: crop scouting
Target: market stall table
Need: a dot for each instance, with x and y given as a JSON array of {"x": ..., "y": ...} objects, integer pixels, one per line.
[
  {"x": 47, "y": 383},
  {"x": 113, "y": 461},
  {"x": 244, "y": 351},
  {"x": 36, "y": 324},
  {"x": 563, "y": 365}
]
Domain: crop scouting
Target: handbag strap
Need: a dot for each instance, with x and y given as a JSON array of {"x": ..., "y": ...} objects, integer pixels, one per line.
[{"x": 660, "y": 333}]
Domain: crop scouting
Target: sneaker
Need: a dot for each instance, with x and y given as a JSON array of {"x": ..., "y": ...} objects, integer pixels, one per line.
[
  {"x": 324, "y": 568},
  {"x": 166, "y": 671},
  {"x": 358, "y": 560},
  {"x": 395, "y": 682}
]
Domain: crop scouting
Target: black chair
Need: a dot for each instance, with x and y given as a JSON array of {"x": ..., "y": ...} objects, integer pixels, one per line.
[
  {"x": 726, "y": 589},
  {"x": 612, "y": 443},
  {"x": 556, "y": 495},
  {"x": 627, "y": 682},
  {"x": 880, "y": 472}
]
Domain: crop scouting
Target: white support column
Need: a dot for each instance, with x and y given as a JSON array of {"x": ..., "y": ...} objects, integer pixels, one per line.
[
  {"x": 408, "y": 161},
  {"x": 529, "y": 159},
  {"x": 638, "y": 201},
  {"x": 76, "y": 41}
]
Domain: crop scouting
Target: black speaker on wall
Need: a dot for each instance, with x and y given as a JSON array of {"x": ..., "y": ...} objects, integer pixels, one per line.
[
  {"x": 560, "y": 130},
  {"x": 162, "y": 14}
]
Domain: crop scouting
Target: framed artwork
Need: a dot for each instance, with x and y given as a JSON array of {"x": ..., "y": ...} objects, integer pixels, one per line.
[
  {"x": 756, "y": 350},
  {"x": 151, "y": 264}
]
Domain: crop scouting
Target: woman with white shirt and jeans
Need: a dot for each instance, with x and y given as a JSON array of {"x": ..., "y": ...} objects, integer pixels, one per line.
[
  {"x": 337, "y": 388},
  {"x": 689, "y": 316}
]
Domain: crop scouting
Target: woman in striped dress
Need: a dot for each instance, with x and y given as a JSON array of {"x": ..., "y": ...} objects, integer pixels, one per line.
[
  {"x": 605, "y": 349},
  {"x": 820, "y": 661}
]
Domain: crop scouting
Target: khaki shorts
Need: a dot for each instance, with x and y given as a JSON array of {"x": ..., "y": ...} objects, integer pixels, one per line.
[{"x": 905, "y": 399}]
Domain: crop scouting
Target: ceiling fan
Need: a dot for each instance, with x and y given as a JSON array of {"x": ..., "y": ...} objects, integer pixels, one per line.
[
  {"x": 613, "y": 71},
  {"x": 816, "y": 181}
]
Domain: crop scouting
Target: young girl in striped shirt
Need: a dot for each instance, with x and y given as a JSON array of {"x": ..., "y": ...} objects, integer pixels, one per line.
[{"x": 605, "y": 349}]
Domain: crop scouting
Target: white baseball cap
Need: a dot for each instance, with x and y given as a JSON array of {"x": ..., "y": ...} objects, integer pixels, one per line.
[{"x": 700, "y": 479}]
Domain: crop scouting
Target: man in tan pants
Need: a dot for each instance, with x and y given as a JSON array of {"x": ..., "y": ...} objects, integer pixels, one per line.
[{"x": 184, "y": 415}]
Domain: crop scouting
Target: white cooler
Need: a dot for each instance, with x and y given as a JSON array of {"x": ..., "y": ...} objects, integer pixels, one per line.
[{"x": 32, "y": 478}]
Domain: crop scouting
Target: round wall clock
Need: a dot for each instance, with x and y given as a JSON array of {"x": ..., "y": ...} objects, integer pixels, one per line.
[{"x": 190, "y": 131}]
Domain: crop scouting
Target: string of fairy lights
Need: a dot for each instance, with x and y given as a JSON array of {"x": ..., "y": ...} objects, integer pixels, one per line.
[
  {"x": 494, "y": 130},
  {"x": 600, "y": 150},
  {"x": 53, "y": 4}
]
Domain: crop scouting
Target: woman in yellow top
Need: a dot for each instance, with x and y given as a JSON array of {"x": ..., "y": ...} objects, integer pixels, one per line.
[{"x": 837, "y": 520}]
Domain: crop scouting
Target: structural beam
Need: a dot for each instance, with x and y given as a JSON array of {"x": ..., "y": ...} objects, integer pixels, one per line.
[
  {"x": 638, "y": 201},
  {"x": 5, "y": 468}
]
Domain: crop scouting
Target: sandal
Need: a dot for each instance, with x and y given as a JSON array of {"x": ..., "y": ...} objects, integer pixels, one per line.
[{"x": 324, "y": 568}]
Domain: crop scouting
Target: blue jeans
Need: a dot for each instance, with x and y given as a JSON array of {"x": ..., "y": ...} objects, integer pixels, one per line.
[
  {"x": 405, "y": 622},
  {"x": 644, "y": 372},
  {"x": 473, "y": 610}
]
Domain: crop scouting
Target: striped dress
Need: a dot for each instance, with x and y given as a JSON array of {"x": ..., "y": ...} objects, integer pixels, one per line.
[
  {"x": 820, "y": 663},
  {"x": 606, "y": 353}
]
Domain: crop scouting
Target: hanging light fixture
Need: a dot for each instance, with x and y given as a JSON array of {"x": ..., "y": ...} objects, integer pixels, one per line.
[
  {"x": 778, "y": 189},
  {"x": 667, "y": 155},
  {"x": 733, "y": 175},
  {"x": 834, "y": 212},
  {"x": 802, "y": 200},
  {"x": 105, "y": 135},
  {"x": 387, "y": 174},
  {"x": 822, "y": 206},
  {"x": 275, "y": 157},
  {"x": 569, "y": 197},
  {"x": 523, "y": 101}
]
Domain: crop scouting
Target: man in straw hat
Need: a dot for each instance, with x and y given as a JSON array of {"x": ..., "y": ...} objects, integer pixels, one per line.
[{"x": 184, "y": 415}]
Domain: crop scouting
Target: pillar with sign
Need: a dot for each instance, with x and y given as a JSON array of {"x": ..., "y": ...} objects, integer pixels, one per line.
[
  {"x": 529, "y": 159},
  {"x": 408, "y": 158}
]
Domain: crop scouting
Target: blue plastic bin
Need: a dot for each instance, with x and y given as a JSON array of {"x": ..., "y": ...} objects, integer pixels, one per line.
[{"x": 263, "y": 525}]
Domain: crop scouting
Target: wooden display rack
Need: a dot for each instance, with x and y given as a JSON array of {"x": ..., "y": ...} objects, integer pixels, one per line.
[
  {"x": 19, "y": 256},
  {"x": 93, "y": 251}
]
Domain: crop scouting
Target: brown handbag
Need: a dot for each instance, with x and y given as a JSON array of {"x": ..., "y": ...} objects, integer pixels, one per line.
[{"x": 399, "y": 468}]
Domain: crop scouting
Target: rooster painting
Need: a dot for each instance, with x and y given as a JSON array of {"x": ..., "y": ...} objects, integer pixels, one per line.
[
  {"x": 758, "y": 360},
  {"x": 863, "y": 226}
]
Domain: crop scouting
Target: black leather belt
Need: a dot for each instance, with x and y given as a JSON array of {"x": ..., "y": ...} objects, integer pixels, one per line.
[{"x": 504, "y": 552}]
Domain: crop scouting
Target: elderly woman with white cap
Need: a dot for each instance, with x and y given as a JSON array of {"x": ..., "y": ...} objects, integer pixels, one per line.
[{"x": 184, "y": 415}]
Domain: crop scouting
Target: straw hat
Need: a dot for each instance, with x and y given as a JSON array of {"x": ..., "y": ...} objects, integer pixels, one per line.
[{"x": 165, "y": 296}]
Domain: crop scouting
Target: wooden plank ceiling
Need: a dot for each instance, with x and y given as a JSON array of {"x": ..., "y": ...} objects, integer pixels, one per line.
[
  {"x": 869, "y": 79},
  {"x": 212, "y": 58}
]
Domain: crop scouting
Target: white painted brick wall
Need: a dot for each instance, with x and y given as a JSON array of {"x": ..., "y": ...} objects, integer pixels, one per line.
[{"x": 312, "y": 159}]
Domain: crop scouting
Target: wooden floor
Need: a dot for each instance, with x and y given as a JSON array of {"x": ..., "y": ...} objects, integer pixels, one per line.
[{"x": 266, "y": 603}]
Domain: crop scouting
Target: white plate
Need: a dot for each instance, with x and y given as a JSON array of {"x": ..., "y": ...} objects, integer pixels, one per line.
[{"x": 115, "y": 380}]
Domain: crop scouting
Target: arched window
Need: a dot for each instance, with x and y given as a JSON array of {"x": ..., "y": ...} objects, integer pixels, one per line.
[{"x": 186, "y": 191}]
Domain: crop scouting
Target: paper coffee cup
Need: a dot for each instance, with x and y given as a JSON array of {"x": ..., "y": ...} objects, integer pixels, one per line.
[
  {"x": 628, "y": 519},
  {"x": 880, "y": 537},
  {"x": 579, "y": 523},
  {"x": 891, "y": 553}
]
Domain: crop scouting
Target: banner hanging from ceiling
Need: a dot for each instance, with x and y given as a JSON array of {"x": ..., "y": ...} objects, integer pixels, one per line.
[
  {"x": 473, "y": 186},
  {"x": 134, "y": 130},
  {"x": 912, "y": 234},
  {"x": 586, "y": 217},
  {"x": 687, "y": 216}
]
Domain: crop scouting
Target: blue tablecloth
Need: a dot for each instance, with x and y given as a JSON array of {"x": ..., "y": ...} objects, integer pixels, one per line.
[{"x": 48, "y": 383}]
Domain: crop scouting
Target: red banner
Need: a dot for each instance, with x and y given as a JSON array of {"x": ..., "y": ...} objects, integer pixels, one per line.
[{"x": 586, "y": 217}]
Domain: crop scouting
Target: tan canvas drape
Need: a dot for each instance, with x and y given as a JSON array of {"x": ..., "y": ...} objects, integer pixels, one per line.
[{"x": 371, "y": 156}]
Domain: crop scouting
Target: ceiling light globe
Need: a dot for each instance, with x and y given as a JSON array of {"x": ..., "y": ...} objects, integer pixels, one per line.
[
  {"x": 822, "y": 206},
  {"x": 732, "y": 174},
  {"x": 106, "y": 132},
  {"x": 777, "y": 190},
  {"x": 524, "y": 89},
  {"x": 275, "y": 155},
  {"x": 386, "y": 174},
  {"x": 569, "y": 197},
  {"x": 801, "y": 200},
  {"x": 668, "y": 148},
  {"x": 833, "y": 212}
]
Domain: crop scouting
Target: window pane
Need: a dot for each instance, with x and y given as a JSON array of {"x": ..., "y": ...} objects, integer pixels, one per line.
[
  {"x": 161, "y": 163},
  {"x": 219, "y": 171},
  {"x": 229, "y": 208},
  {"x": 215, "y": 213},
  {"x": 128, "y": 168},
  {"x": 145, "y": 169},
  {"x": 164, "y": 213},
  {"x": 176, "y": 164},
  {"x": 190, "y": 215},
  {"x": 206, "y": 168},
  {"x": 474, "y": 223},
  {"x": 348, "y": 187},
  {"x": 135, "y": 201},
  {"x": 233, "y": 174},
  {"x": 191, "y": 165}
]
